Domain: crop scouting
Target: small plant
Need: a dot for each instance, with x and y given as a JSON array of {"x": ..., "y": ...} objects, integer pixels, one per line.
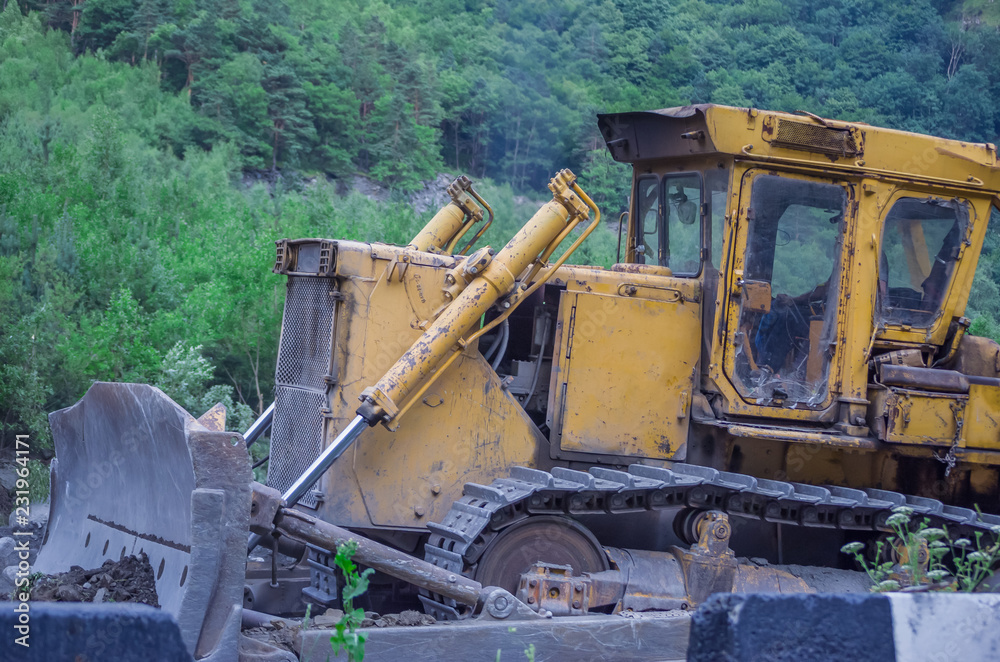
[
  {"x": 347, "y": 638},
  {"x": 33, "y": 580},
  {"x": 920, "y": 552},
  {"x": 529, "y": 652},
  {"x": 305, "y": 619}
]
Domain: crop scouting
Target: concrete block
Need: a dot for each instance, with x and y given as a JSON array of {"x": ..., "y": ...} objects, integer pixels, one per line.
[
  {"x": 939, "y": 627},
  {"x": 900, "y": 627},
  {"x": 792, "y": 628},
  {"x": 82, "y": 632}
]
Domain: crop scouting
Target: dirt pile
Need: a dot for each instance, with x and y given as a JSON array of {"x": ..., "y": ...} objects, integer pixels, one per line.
[
  {"x": 408, "y": 618},
  {"x": 128, "y": 580}
]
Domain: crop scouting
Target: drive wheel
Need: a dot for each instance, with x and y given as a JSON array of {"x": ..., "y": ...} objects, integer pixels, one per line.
[{"x": 545, "y": 539}]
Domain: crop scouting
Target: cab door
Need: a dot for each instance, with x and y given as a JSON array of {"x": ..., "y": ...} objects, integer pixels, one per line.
[
  {"x": 782, "y": 296},
  {"x": 629, "y": 339}
]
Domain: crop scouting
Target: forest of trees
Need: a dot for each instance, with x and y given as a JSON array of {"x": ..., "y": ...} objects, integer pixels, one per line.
[{"x": 151, "y": 151}]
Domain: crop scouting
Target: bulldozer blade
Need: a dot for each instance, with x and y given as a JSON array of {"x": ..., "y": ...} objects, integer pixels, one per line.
[{"x": 134, "y": 472}]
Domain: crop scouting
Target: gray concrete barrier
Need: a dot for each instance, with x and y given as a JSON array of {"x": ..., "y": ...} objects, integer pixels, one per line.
[
  {"x": 82, "y": 632},
  {"x": 913, "y": 627}
]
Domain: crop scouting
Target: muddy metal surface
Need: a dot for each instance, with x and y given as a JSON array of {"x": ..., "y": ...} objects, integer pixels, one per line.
[
  {"x": 412, "y": 635},
  {"x": 628, "y": 637},
  {"x": 287, "y": 633}
]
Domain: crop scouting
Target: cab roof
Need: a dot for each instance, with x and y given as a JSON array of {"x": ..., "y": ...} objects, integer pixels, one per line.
[{"x": 798, "y": 138}]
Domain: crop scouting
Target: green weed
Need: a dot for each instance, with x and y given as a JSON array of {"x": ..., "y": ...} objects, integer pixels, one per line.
[
  {"x": 918, "y": 554},
  {"x": 347, "y": 638}
]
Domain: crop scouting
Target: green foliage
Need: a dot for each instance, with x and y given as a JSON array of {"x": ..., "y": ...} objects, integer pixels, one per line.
[
  {"x": 38, "y": 481},
  {"x": 952, "y": 565},
  {"x": 346, "y": 637},
  {"x": 985, "y": 326},
  {"x": 606, "y": 181},
  {"x": 184, "y": 374},
  {"x": 152, "y": 151},
  {"x": 115, "y": 343},
  {"x": 260, "y": 453},
  {"x": 308, "y": 617},
  {"x": 346, "y": 86}
]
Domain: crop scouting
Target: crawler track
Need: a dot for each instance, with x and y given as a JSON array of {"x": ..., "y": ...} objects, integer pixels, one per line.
[{"x": 484, "y": 511}]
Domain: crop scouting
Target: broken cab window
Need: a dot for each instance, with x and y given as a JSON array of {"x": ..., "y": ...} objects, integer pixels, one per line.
[
  {"x": 921, "y": 242},
  {"x": 788, "y": 297}
]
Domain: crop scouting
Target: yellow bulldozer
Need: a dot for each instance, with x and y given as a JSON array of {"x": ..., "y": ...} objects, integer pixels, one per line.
[{"x": 778, "y": 360}]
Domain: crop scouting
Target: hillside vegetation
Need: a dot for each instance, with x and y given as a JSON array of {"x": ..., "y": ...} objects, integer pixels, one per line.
[{"x": 151, "y": 151}]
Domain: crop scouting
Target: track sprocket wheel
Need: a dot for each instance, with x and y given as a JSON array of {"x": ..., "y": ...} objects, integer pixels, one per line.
[{"x": 542, "y": 539}]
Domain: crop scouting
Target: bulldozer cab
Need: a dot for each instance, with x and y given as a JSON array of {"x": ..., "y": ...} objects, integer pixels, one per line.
[
  {"x": 817, "y": 245},
  {"x": 782, "y": 307}
]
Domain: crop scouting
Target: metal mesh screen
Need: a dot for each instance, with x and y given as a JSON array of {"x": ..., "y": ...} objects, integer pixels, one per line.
[
  {"x": 304, "y": 354},
  {"x": 296, "y": 437},
  {"x": 300, "y": 391},
  {"x": 815, "y": 138}
]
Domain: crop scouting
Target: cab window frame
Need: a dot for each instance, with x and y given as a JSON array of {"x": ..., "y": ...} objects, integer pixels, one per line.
[
  {"x": 663, "y": 181},
  {"x": 928, "y": 318},
  {"x": 639, "y": 213}
]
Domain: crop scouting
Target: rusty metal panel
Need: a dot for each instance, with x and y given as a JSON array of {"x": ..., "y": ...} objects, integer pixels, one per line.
[
  {"x": 983, "y": 417},
  {"x": 924, "y": 379},
  {"x": 776, "y": 137},
  {"x": 920, "y": 417},
  {"x": 643, "y": 351},
  {"x": 466, "y": 428}
]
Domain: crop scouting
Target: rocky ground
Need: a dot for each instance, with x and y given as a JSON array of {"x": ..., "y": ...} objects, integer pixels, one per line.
[
  {"x": 128, "y": 580},
  {"x": 10, "y": 555}
]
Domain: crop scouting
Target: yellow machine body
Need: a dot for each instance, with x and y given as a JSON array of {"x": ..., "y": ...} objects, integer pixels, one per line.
[{"x": 866, "y": 239}]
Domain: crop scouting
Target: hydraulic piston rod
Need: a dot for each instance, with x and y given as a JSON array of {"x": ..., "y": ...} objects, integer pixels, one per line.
[
  {"x": 317, "y": 469},
  {"x": 259, "y": 426},
  {"x": 492, "y": 281}
]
